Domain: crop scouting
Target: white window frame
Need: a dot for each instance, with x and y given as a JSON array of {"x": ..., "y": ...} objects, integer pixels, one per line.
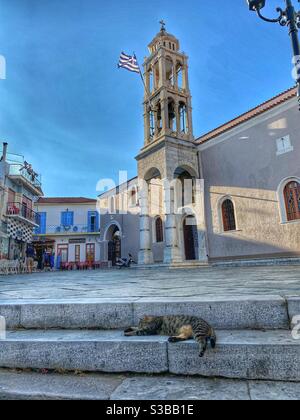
[
  {"x": 220, "y": 215},
  {"x": 281, "y": 199},
  {"x": 286, "y": 148},
  {"x": 154, "y": 230}
]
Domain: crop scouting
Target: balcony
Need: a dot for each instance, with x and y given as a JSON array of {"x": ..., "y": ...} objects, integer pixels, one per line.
[
  {"x": 17, "y": 172},
  {"x": 69, "y": 230},
  {"x": 22, "y": 213}
]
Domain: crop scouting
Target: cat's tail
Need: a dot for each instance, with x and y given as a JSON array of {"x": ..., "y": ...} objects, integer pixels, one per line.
[{"x": 213, "y": 338}]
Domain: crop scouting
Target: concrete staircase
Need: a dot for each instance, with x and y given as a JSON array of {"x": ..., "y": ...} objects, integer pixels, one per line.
[{"x": 254, "y": 337}]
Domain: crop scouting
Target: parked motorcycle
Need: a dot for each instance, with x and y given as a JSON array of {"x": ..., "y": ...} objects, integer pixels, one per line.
[{"x": 125, "y": 262}]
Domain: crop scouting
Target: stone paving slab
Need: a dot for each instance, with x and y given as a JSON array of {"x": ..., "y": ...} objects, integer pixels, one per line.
[
  {"x": 170, "y": 388},
  {"x": 156, "y": 283},
  {"x": 272, "y": 355},
  {"x": 36, "y": 386},
  {"x": 270, "y": 391}
]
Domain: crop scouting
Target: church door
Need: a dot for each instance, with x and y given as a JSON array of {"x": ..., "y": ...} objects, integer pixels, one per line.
[{"x": 190, "y": 238}]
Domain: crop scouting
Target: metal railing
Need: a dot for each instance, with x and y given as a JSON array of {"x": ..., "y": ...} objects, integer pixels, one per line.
[
  {"x": 30, "y": 176},
  {"x": 20, "y": 209},
  {"x": 67, "y": 229}
]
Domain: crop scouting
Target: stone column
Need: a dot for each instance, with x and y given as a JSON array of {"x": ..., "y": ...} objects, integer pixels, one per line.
[
  {"x": 146, "y": 124},
  {"x": 175, "y": 77},
  {"x": 202, "y": 228},
  {"x": 162, "y": 70},
  {"x": 178, "y": 131},
  {"x": 185, "y": 76},
  {"x": 172, "y": 252},
  {"x": 190, "y": 119},
  {"x": 165, "y": 116},
  {"x": 145, "y": 253}
]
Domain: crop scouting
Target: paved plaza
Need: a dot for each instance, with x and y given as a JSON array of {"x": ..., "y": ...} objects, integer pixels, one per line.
[{"x": 133, "y": 284}]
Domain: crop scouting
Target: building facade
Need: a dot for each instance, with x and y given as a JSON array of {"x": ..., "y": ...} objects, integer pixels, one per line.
[
  {"x": 119, "y": 215},
  {"x": 69, "y": 229},
  {"x": 20, "y": 187},
  {"x": 233, "y": 193}
]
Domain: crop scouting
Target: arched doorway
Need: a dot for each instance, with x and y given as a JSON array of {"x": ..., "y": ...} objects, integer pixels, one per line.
[
  {"x": 190, "y": 235},
  {"x": 114, "y": 244}
]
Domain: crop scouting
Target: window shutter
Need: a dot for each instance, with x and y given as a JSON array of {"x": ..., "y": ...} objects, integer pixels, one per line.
[
  {"x": 67, "y": 218},
  {"x": 97, "y": 222},
  {"x": 90, "y": 221},
  {"x": 41, "y": 230}
]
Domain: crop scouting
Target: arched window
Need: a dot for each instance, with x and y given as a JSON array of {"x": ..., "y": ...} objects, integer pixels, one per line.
[
  {"x": 228, "y": 215},
  {"x": 151, "y": 85},
  {"x": 183, "y": 118},
  {"x": 179, "y": 71},
  {"x": 152, "y": 124},
  {"x": 169, "y": 71},
  {"x": 158, "y": 117},
  {"x": 159, "y": 230},
  {"x": 292, "y": 200},
  {"x": 172, "y": 115}
]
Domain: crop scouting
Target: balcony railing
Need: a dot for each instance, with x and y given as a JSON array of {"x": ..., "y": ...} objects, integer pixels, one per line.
[
  {"x": 72, "y": 229},
  {"x": 30, "y": 176},
  {"x": 21, "y": 210}
]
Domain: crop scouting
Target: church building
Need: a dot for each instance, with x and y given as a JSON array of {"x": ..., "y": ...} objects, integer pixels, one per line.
[{"x": 232, "y": 194}]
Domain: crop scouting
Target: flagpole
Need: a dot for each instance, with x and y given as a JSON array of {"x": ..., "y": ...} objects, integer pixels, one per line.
[{"x": 144, "y": 83}]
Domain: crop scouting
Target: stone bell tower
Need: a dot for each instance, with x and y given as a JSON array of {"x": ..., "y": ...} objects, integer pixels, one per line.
[
  {"x": 169, "y": 152},
  {"x": 167, "y": 105}
]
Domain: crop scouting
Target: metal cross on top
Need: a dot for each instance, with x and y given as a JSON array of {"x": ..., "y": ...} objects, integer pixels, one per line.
[{"x": 163, "y": 25}]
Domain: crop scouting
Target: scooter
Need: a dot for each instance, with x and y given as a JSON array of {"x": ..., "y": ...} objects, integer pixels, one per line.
[{"x": 125, "y": 262}]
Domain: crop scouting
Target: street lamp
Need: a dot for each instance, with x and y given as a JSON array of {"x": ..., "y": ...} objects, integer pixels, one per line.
[{"x": 288, "y": 17}]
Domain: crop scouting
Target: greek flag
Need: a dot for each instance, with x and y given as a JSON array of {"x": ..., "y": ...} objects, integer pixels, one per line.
[{"x": 129, "y": 62}]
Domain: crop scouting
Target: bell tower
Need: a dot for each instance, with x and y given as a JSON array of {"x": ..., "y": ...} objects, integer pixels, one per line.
[
  {"x": 168, "y": 157},
  {"x": 167, "y": 101}
]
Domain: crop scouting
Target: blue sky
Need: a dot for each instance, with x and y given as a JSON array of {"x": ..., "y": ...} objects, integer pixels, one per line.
[{"x": 77, "y": 118}]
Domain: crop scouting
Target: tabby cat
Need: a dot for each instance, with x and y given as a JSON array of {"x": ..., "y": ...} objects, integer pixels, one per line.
[{"x": 180, "y": 328}]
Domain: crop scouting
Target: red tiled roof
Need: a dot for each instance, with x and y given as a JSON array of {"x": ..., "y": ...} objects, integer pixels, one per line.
[
  {"x": 266, "y": 106},
  {"x": 66, "y": 200}
]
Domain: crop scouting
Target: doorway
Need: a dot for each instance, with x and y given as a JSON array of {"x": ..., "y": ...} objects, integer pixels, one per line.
[
  {"x": 90, "y": 253},
  {"x": 115, "y": 245},
  {"x": 190, "y": 233}
]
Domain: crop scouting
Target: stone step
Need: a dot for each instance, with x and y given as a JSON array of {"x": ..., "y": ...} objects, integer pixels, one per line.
[
  {"x": 245, "y": 312},
  {"x": 271, "y": 355},
  {"x": 257, "y": 262},
  {"x": 20, "y": 385}
]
